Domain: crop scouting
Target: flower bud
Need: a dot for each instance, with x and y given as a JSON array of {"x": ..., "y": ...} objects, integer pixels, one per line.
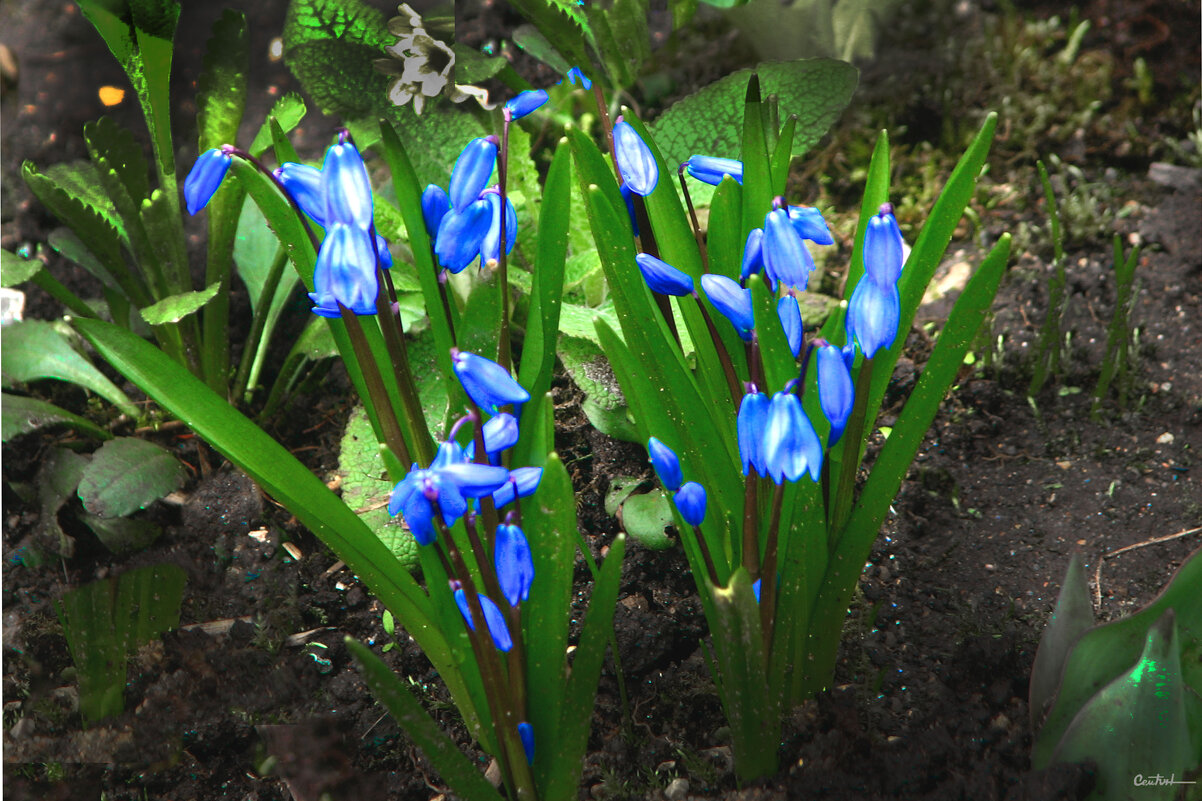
[
  {"x": 790, "y": 320},
  {"x": 690, "y": 500},
  {"x": 525, "y": 102},
  {"x": 635, "y": 161},
  {"x": 663, "y": 277},
  {"x": 435, "y": 205},
  {"x": 514, "y": 564},
  {"x": 836, "y": 393},
  {"x": 472, "y": 170},
  {"x": 667, "y": 466},
  {"x": 205, "y": 177},
  {"x": 487, "y": 383},
  {"x": 303, "y": 184},
  {"x": 732, "y": 300},
  {"x": 711, "y": 169}
]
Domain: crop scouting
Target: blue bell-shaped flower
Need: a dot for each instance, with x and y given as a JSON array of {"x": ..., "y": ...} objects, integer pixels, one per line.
[
  {"x": 575, "y": 76},
  {"x": 750, "y": 424},
  {"x": 711, "y": 169},
  {"x": 413, "y": 498},
  {"x": 490, "y": 246},
  {"x": 205, "y": 177},
  {"x": 526, "y": 735},
  {"x": 786, "y": 258},
  {"x": 753, "y": 254},
  {"x": 472, "y": 170},
  {"x": 303, "y": 184},
  {"x": 663, "y": 277},
  {"x": 732, "y": 300},
  {"x": 523, "y": 481},
  {"x": 345, "y": 187},
  {"x": 811, "y": 225},
  {"x": 836, "y": 393},
  {"x": 487, "y": 383},
  {"x": 666, "y": 465},
  {"x": 790, "y": 320},
  {"x": 690, "y": 500},
  {"x": 475, "y": 480},
  {"x": 791, "y": 446},
  {"x": 873, "y": 315},
  {"x": 635, "y": 162},
  {"x": 500, "y": 433},
  {"x": 525, "y": 102},
  {"x": 461, "y": 234},
  {"x": 345, "y": 272},
  {"x": 883, "y": 247},
  {"x": 514, "y": 564},
  {"x": 493, "y": 618},
  {"x": 435, "y": 205}
]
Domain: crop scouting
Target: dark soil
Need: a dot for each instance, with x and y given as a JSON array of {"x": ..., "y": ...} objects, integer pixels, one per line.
[{"x": 931, "y": 685}]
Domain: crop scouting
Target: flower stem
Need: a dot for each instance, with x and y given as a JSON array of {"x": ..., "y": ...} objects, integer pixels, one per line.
[
  {"x": 705, "y": 261},
  {"x": 375, "y": 386},
  {"x": 504, "y": 348}
]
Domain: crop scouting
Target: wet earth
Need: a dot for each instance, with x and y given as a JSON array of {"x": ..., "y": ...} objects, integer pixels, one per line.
[{"x": 254, "y": 696}]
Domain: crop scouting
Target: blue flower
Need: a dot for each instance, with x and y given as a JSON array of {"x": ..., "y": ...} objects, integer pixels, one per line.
[
  {"x": 345, "y": 187},
  {"x": 492, "y": 617},
  {"x": 836, "y": 394},
  {"x": 786, "y": 258},
  {"x": 791, "y": 446},
  {"x": 303, "y": 183},
  {"x": 751, "y": 423},
  {"x": 500, "y": 433},
  {"x": 414, "y": 497},
  {"x": 663, "y": 277},
  {"x": 883, "y": 247},
  {"x": 523, "y": 481},
  {"x": 628, "y": 199},
  {"x": 205, "y": 177},
  {"x": 790, "y": 319},
  {"x": 711, "y": 169},
  {"x": 526, "y": 734},
  {"x": 576, "y": 76},
  {"x": 475, "y": 480},
  {"x": 514, "y": 564},
  {"x": 753, "y": 254},
  {"x": 487, "y": 383},
  {"x": 472, "y": 170},
  {"x": 755, "y": 587},
  {"x": 873, "y": 315},
  {"x": 810, "y": 224},
  {"x": 635, "y": 161},
  {"x": 666, "y": 465},
  {"x": 345, "y": 272},
  {"x": 525, "y": 102},
  {"x": 435, "y": 205},
  {"x": 690, "y": 500},
  {"x": 490, "y": 246},
  {"x": 461, "y": 235},
  {"x": 732, "y": 300}
]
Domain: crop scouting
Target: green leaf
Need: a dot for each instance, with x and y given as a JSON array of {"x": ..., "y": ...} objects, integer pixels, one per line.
[
  {"x": 22, "y": 414},
  {"x": 221, "y": 90},
  {"x": 365, "y": 487},
  {"x": 567, "y": 750},
  {"x": 1105, "y": 652},
  {"x": 645, "y": 516},
  {"x": 254, "y": 250},
  {"x": 604, "y": 404},
  {"x": 16, "y": 270},
  {"x": 710, "y": 122},
  {"x": 454, "y": 768},
  {"x": 58, "y": 476},
  {"x": 122, "y": 534},
  {"x": 107, "y": 620},
  {"x": 121, "y": 153},
  {"x": 126, "y": 475},
  {"x": 1136, "y": 724},
  {"x": 1072, "y": 617},
  {"x": 330, "y": 46},
  {"x": 176, "y": 307},
  {"x": 81, "y": 181},
  {"x": 288, "y": 111},
  {"x": 34, "y": 350}
]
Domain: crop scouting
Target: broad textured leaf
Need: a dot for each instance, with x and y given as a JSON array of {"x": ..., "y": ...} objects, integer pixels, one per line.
[
  {"x": 365, "y": 487},
  {"x": 90, "y": 226},
  {"x": 34, "y": 350},
  {"x": 645, "y": 516},
  {"x": 122, "y": 153},
  {"x": 221, "y": 91},
  {"x": 126, "y": 475},
  {"x": 79, "y": 180},
  {"x": 604, "y": 404},
  {"x": 176, "y": 307},
  {"x": 16, "y": 270},
  {"x": 57, "y": 478},
  {"x": 288, "y": 111},
  {"x": 23, "y": 414},
  {"x": 122, "y": 534},
  {"x": 330, "y": 45},
  {"x": 710, "y": 121}
]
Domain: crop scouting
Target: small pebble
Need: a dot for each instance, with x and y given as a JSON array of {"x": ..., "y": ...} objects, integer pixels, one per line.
[
  {"x": 1165, "y": 439},
  {"x": 677, "y": 789}
]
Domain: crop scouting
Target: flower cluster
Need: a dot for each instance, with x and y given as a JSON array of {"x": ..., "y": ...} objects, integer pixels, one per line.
[{"x": 465, "y": 219}]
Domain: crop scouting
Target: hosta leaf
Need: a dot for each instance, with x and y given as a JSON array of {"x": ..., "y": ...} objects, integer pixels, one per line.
[
  {"x": 22, "y": 414},
  {"x": 710, "y": 121},
  {"x": 34, "y": 350},
  {"x": 126, "y": 475},
  {"x": 176, "y": 307}
]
